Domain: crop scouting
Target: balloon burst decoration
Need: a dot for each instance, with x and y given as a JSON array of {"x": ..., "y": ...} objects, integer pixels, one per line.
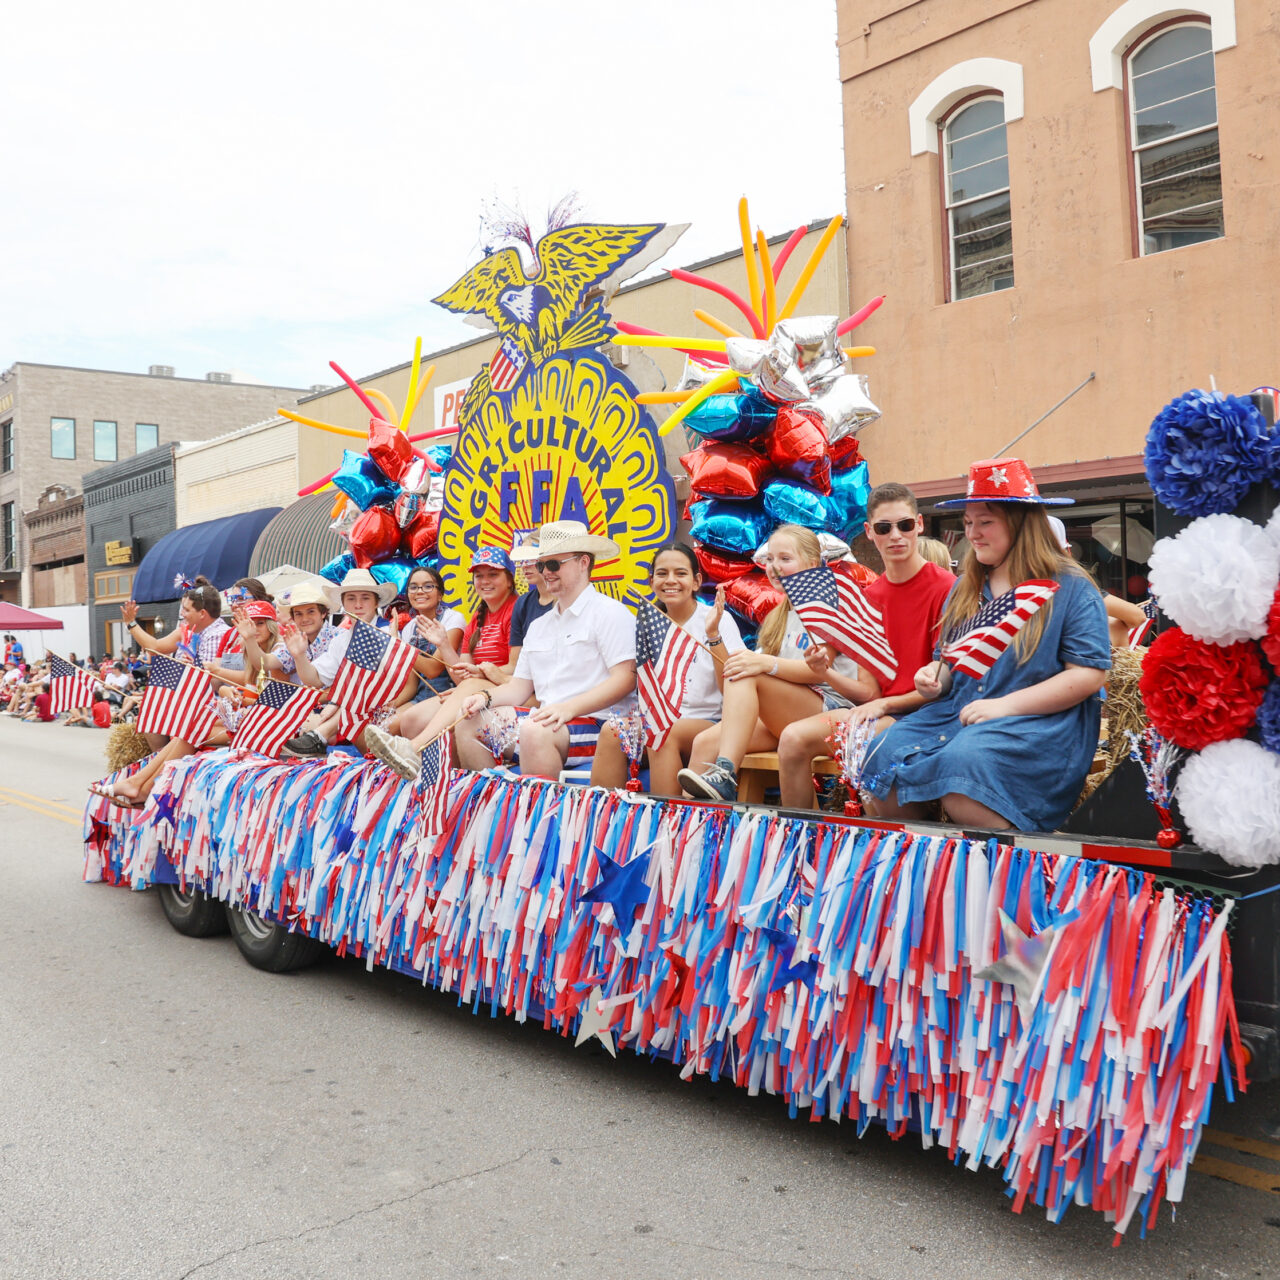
[
  {"x": 775, "y": 407},
  {"x": 499, "y": 734},
  {"x": 1059, "y": 1019},
  {"x": 1156, "y": 757},
  {"x": 387, "y": 507},
  {"x": 851, "y": 742}
]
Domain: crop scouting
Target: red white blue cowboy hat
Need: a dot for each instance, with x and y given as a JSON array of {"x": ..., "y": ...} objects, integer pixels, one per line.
[{"x": 1004, "y": 480}]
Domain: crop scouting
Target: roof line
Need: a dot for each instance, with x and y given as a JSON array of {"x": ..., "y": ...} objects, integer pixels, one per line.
[{"x": 128, "y": 373}]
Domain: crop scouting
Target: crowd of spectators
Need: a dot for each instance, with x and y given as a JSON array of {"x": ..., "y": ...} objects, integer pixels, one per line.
[{"x": 25, "y": 692}]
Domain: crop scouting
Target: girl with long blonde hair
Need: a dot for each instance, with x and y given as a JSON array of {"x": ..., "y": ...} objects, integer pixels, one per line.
[
  {"x": 1010, "y": 747},
  {"x": 766, "y": 690}
]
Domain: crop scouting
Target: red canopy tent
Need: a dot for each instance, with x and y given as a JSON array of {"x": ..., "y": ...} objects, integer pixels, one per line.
[{"x": 14, "y": 618}]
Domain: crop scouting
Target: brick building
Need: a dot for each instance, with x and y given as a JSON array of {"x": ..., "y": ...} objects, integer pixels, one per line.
[
  {"x": 55, "y": 543},
  {"x": 128, "y": 508},
  {"x": 57, "y": 423},
  {"x": 1046, "y": 191}
]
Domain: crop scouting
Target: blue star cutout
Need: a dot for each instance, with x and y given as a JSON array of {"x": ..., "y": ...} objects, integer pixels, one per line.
[
  {"x": 166, "y": 809},
  {"x": 622, "y": 887},
  {"x": 784, "y": 945}
]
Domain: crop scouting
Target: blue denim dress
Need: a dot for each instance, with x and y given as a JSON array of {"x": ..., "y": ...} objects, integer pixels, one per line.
[{"x": 1030, "y": 769}]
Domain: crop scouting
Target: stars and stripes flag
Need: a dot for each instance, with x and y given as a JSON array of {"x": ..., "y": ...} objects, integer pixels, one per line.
[
  {"x": 835, "y": 611},
  {"x": 433, "y": 784},
  {"x": 664, "y": 654},
  {"x": 993, "y": 628},
  {"x": 69, "y": 686},
  {"x": 1141, "y": 634},
  {"x": 276, "y": 716},
  {"x": 507, "y": 364},
  {"x": 179, "y": 701},
  {"x": 369, "y": 676}
]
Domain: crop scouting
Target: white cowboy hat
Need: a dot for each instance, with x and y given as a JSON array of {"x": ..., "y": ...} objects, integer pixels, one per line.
[
  {"x": 361, "y": 580},
  {"x": 563, "y": 538},
  {"x": 308, "y": 592}
]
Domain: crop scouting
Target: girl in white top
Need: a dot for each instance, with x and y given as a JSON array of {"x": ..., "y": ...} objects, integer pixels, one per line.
[
  {"x": 676, "y": 577},
  {"x": 765, "y": 691}
]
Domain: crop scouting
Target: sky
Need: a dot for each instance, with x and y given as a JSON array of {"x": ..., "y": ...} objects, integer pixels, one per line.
[{"x": 263, "y": 187}]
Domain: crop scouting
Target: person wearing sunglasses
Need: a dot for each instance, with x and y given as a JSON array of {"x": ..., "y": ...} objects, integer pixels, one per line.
[
  {"x": 578, "y": 663},
  {"x": 910, "y": 595}
]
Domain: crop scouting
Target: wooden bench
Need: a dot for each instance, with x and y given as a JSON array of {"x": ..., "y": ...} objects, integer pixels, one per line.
[{"x": 759, "y": 770}]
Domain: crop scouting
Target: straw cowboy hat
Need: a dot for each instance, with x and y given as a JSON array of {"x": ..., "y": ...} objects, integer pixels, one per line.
[
  {"x": 308, "y": 592},
  {"x": 361, "y": 580},
  {"x": 564, "y": 538}
]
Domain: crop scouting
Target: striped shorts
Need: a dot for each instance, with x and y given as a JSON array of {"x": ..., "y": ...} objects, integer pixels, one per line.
[{"x": 583, "y": 735}]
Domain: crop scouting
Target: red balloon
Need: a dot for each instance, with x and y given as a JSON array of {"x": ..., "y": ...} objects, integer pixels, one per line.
[
  {"x": 845, "y": 454},
  {"x": 421, "y": 534},
  {"x": 798, "y": 447},
  {"x": 374, "y": 537},
  {"x": 863, "y": 576},
  {"x": 720, "y": 568},
  {"x": 754, "y": 595},
  {"x": 389, "y": 447},
  {"x": 726, "y": 470}
]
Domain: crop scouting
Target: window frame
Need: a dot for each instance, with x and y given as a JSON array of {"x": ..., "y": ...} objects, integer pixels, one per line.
[
  {"x": 944, "y": 188},
  {"x": 1136, "y": 235},
  {"x": 6, "y": 447},
  {"x": 115, "y": 439},
  {"x": 63, "y": 457},
  {"x": 9, "y": 537},
  {"x": 155, "y": 426}
]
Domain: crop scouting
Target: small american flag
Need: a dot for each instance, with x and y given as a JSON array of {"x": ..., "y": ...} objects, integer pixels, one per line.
[
  {"x": 835, "y": 611},
  {"x": 68, "y": 686},
  {"x": 275, "y": 717},
  {"x": 179, "y": 701},
  {"x": 995, "y": 625},
  {"x": 433, "y": 784},
  {"x": 664, "y": 654},
  {"x": 507, "y": 364},
  {"x": 369, "y": 676}
]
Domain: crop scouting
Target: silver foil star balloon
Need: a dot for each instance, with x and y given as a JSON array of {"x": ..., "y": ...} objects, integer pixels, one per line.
[{"x": 1021, "y": 965}]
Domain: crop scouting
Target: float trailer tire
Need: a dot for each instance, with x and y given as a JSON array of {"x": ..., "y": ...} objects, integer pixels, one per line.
[
  {"x": 271, "y": 947},
  {"x": 191, "y": 913}
]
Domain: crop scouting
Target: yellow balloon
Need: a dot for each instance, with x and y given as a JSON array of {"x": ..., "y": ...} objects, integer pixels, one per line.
[
  {"x": 322, "y": 426},
  {"x": 413, "y": 382},
  {"x": 802, "y": 282},
  {"x": 770, "y": 288},
  {"x": 719, "y": 383},
  {"x": 749, "y": 256},
  {"x": 417, "y": 394},
  {"x": 385, "y": 401},
  {"x": 663, "y": 397},
  {"x": 854, "y": 352}
]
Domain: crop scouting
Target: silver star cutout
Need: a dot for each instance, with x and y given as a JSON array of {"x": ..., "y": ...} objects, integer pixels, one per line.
[
  {"x": 1021, "y": 965},
  {"x": 595, "y": 1023},
  {"x": 999, "y": 476}
]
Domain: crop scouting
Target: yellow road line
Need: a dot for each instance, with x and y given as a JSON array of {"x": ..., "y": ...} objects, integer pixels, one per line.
[
  {"x": 53, "y": 804},
  {"x": 1250, "y": 1146},
  {"x": 1238, "y": 1173},
  {"x": 45, "y": 813}
]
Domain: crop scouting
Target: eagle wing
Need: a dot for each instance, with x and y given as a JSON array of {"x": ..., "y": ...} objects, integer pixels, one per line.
[
  {"x": 477, "y": 292},
  {"x": 575, "y": 258}
]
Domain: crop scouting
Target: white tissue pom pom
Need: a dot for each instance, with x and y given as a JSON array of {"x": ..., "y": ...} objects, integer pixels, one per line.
[
  {"x": 1273, "y": 527},
  {"x": 1229, "y": 795},
  {"x": 1217, "y": 578}
]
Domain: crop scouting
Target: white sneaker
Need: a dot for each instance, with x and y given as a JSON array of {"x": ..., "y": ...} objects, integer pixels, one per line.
[{"x": 395, "y": 752}]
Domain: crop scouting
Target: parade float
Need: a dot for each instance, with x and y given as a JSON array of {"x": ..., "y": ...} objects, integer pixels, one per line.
[{"x": 1059, "y": 1006}]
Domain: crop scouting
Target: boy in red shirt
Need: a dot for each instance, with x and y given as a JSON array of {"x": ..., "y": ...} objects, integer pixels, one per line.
[{"x": 910, "y": 595}]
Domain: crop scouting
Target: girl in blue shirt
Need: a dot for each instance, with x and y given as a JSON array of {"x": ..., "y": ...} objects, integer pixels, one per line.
[{"x": 1013, "y": 747}]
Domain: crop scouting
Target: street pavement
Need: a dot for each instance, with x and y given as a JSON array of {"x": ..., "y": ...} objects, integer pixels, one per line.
[{"x": 170, "y": 1112}]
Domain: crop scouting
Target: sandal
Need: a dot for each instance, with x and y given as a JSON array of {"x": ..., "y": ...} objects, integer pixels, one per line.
[{"x": 108, "y": 792}]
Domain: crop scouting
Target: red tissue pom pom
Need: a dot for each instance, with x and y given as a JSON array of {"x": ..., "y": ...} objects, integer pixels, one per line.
[
  {"x": 720, "y": 568},
  {"x": 798, "y": 447},
  {"x": 374, "y": 537},
  {"x": 754, "y": 595},
  {"x": 1198, "y": 693},
  {"x": 726, "y": 470},
  {"x": 1271, "y": 641},
  {"x": 389, "y": 447}
]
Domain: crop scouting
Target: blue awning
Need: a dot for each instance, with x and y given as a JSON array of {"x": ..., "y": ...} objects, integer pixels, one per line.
[{"x": 218, "y": 549}]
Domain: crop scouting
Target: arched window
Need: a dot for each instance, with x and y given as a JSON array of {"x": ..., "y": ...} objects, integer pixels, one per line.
[
  {"x": 975, "y": 187},
  {"x": 1173, "y": 133}
]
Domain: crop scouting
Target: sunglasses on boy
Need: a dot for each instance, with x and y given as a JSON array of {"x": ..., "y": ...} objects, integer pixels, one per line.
[
  {"x": 903, "y": 526},
  {"x": 553, "y": 566}
]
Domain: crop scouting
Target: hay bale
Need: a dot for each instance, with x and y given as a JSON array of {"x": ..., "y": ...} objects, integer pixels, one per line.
[
  {"x": 1121, "y": 712},
  {"x": 125, "y": 746}
]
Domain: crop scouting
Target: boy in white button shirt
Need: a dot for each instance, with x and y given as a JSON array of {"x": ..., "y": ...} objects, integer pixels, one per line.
[{"x": 578, "y": 661}]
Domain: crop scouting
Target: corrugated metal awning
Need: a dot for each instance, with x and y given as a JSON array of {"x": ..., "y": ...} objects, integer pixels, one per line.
[{"x": 299, "y": 535}]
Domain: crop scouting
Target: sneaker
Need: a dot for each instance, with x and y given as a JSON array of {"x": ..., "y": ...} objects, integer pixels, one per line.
[
  {"x": 306, "y": 744},
  {"x": 718, "y": 782},
  {"x": 395, "y": 752}
]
